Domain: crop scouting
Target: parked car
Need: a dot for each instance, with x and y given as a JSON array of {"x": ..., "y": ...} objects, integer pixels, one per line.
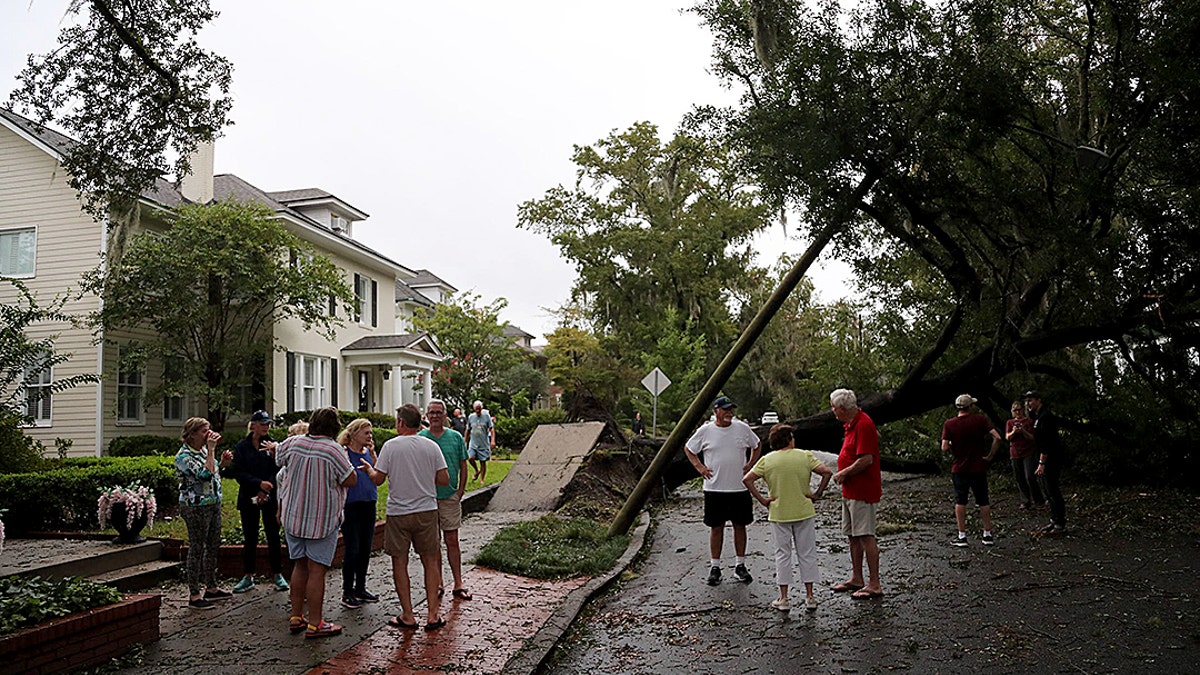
[{"x": 770, "y": 417}]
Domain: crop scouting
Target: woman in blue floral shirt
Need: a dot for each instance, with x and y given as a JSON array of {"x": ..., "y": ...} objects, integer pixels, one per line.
[{"x": 200, "y": 507}]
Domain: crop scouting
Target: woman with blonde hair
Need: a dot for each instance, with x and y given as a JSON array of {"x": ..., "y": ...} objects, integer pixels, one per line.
[
  {"x": 358, "y": 525},
  {"x": 200, "y": 507}
]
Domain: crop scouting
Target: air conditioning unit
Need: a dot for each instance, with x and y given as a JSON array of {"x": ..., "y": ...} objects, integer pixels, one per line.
[{"x": 339, "y": 224}]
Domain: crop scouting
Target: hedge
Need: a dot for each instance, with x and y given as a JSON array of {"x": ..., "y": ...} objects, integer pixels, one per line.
[
  {"x": 143, "y": 446},
  {"x": 514, "y": 432},
  {"x": 63, "y": 497}
]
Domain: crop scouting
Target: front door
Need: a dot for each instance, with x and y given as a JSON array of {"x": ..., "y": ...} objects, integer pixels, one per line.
[{"x": 364, "y": 391}]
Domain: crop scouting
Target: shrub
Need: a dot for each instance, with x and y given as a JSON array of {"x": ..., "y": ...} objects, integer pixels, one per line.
[
  {"x": 28, "y": 601},
  {"x": 18, "y": 452},
  {"x": 382, "y": 436},
  {"x": 143, "y": 446},
  {"x": 77, "y": 483},
  {"x": 513, "y": 432}
]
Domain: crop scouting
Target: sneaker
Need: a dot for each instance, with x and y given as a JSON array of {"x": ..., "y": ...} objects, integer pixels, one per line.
[
  {"x": 810, "y": 604},
  {"x": 714, "y": 576},
  {"x": 351, "y": 602},
  {"x": 781, "y": 604},
  {"x": 742, "y": 574},
  {"x": 1057, "y": 530},
  {"x": 244, "y": 585},
  {"x": 1049, "y": 529},
  {"x": 217, "y": 594},
  {"x": 200, "y": 603},
  {"x": 281, "y": 584},
  {"x": 989, "y": 540},
  {"x": 366, "y": 596},
  {"x": 960, "y": 542}
]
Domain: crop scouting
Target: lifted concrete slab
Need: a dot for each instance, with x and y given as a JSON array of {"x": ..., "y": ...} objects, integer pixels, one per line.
[{"x": 549, "y": 461}]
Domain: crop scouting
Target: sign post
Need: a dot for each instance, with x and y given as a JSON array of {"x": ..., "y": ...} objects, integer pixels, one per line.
[{"x": 656, "y": 381}]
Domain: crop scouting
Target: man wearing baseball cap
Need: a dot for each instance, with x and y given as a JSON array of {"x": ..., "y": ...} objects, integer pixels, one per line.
[
  {"x": 723, "y": 452},
  {"x": 255, "y": 471},
  {"x": 965, "y": 437}
]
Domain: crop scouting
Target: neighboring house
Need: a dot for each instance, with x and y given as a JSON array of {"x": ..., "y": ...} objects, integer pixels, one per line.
[{"x": 376, "y": 363}]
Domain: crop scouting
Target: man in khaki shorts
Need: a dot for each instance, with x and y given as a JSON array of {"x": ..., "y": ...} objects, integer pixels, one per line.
[
  {"x": 414, "y": 468},
  {"x": 862, "y": 486},
  {"x": 449, "y": 497}
]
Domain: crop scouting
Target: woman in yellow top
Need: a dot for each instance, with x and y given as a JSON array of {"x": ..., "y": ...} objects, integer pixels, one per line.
[{"x": 788, "y": 473}]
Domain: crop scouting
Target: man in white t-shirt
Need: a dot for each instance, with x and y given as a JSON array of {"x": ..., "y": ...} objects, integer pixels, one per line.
[
  {"x": 414, "y": 468},
  {"x": 723, "y": 452}
]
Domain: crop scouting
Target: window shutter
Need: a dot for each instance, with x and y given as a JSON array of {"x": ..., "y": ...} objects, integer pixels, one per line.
[
  {"x": 291, "y": 382},
  {"x": 374, "y": 304},
  {"x": 334, "y": 376}
]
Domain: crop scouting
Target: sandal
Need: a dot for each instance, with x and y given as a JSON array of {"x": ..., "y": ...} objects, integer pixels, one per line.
[
  {"x": 326, "y": 629},
  {"x": 397, "y": 622},
  {"x": 462, "y": 594},
  {"x": 846, "y": 587},
  {"x": 434, "y": 625},
  {"x": 297, "y": 624}
]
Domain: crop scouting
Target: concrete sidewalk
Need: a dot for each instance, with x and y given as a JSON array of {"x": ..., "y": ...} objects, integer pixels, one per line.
[{"x": 509, "y": 626}]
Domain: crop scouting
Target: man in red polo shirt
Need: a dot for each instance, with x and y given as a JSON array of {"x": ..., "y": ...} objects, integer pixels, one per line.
[{"x": 862, "y": 486}]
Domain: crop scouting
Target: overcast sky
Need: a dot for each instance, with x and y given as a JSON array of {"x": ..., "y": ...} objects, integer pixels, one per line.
[{"x": 440, "y": 118}]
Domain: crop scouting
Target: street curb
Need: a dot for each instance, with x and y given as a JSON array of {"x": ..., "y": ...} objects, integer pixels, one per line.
[{"x": 537, "y": 648}]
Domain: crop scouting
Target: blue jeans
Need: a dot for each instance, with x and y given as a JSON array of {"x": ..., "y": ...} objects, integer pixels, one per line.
[{"x": 358, "y": 533}]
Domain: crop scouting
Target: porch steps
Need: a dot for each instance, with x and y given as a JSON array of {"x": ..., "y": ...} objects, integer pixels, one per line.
[{"x": 139, "y": 577}]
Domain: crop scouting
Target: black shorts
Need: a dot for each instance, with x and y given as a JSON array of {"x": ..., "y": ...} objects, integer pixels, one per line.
[
  {"x": 722, "y": 507},
  {"x": 965, "y": 481}
]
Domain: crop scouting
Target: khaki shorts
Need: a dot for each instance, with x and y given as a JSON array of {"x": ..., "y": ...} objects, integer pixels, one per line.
[
  {"x": 420, "y": 530},
  {"x": 858, "y": 518},
  {"x": 450, "y": 513}
]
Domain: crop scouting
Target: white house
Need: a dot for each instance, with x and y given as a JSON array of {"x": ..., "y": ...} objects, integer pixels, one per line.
[{"x": 376, "y": 362}]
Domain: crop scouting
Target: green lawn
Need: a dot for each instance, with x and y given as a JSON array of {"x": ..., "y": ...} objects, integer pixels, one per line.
[{"x": 231, "y": 521}]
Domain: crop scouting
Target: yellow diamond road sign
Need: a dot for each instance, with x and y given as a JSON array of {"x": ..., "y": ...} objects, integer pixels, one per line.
[{"x": 656, "y": 381}]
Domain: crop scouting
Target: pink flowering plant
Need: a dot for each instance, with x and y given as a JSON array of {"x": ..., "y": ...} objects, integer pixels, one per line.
[{"x": 137, "y": 498}]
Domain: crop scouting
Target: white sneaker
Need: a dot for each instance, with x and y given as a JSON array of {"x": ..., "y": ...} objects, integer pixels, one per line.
[
  {"x": 810, "y": 604},
  {"x": 781, "y": 604}
]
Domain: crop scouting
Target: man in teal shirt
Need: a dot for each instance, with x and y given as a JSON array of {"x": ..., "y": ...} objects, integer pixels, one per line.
[{"x": 454, "y": 449}]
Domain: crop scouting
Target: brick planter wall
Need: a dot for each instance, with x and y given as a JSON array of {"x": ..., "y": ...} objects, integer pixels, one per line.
[
  {"x": 82, "y": 639},
  {"x": 229, "y": 558}
]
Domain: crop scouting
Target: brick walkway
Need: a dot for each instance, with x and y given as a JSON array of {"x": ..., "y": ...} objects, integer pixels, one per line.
[{"x": 480, "y": 635}]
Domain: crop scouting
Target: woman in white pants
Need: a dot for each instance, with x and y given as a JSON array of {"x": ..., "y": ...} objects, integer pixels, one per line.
[{"x": 788, "y": 474}]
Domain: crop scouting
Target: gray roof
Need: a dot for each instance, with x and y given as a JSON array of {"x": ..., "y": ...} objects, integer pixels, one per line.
[
  {"x": 301, "y": 195},
  {"x": 512, "y": 331},
  {"x": 427, "y": 278},
  {"x": 401, "y": 341},
  {"x": 405, "y": 293}
]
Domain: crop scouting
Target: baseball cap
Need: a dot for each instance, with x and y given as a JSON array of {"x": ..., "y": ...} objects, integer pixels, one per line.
[
  {"x": 724, "y": 403},
  {"x": 965, "y": 401},
  {"x": 1033, "y": 393},
  {"x": 261, "y": 416}
]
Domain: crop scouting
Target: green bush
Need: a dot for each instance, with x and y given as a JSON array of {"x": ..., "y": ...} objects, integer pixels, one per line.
[
  {"x": 143, "y": 446},
  {"x": 64, "y": 495},
  {"x": 378, "y": 420},
  {"x": 28, "y": 601},
  {"x": 513, "y": 432},
  {"x": 382, "y": 436},
  {"x": 18, "y": 452}
]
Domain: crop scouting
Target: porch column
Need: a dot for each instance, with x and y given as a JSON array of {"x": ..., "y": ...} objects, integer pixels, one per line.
[
  {"x": 428, "y": 379},
  {"x": 397, "y": 391}
]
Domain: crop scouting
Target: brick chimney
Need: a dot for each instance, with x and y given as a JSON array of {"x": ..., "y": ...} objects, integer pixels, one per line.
[{"x": 197, "y": 186}]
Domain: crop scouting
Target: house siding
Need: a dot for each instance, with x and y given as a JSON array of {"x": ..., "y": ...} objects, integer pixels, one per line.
[{"x": 34, "y": 192}]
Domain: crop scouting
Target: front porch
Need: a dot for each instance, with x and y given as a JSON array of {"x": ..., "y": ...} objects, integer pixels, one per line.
[{"x": 386, "y": 371}]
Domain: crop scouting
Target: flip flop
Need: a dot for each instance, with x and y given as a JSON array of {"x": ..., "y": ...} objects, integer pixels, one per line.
[
  {"x": 866, "y": 594},
  {"x": 326, "y": 629},
  {"x": 462, "y": 594},
  {"x": 297, "y": 624},
  {"x": 434, "y": 625},
  {"x": 846, "y": 586},
  {"x": 441, "y": 591},
  {"x": 397, "y": 622}
]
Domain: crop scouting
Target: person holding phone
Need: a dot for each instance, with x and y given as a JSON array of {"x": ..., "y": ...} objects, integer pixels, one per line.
[{"x": 255, "y": 471}]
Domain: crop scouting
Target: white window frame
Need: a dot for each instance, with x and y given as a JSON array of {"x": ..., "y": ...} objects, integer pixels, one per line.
[
  {"x": 312, "y": 381},
  {"x": 17, "y": 232},
  {"x": 125, "y": 393},
  {"x": 45, "y": 404},
  {"x": 362, "y": 299}
]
